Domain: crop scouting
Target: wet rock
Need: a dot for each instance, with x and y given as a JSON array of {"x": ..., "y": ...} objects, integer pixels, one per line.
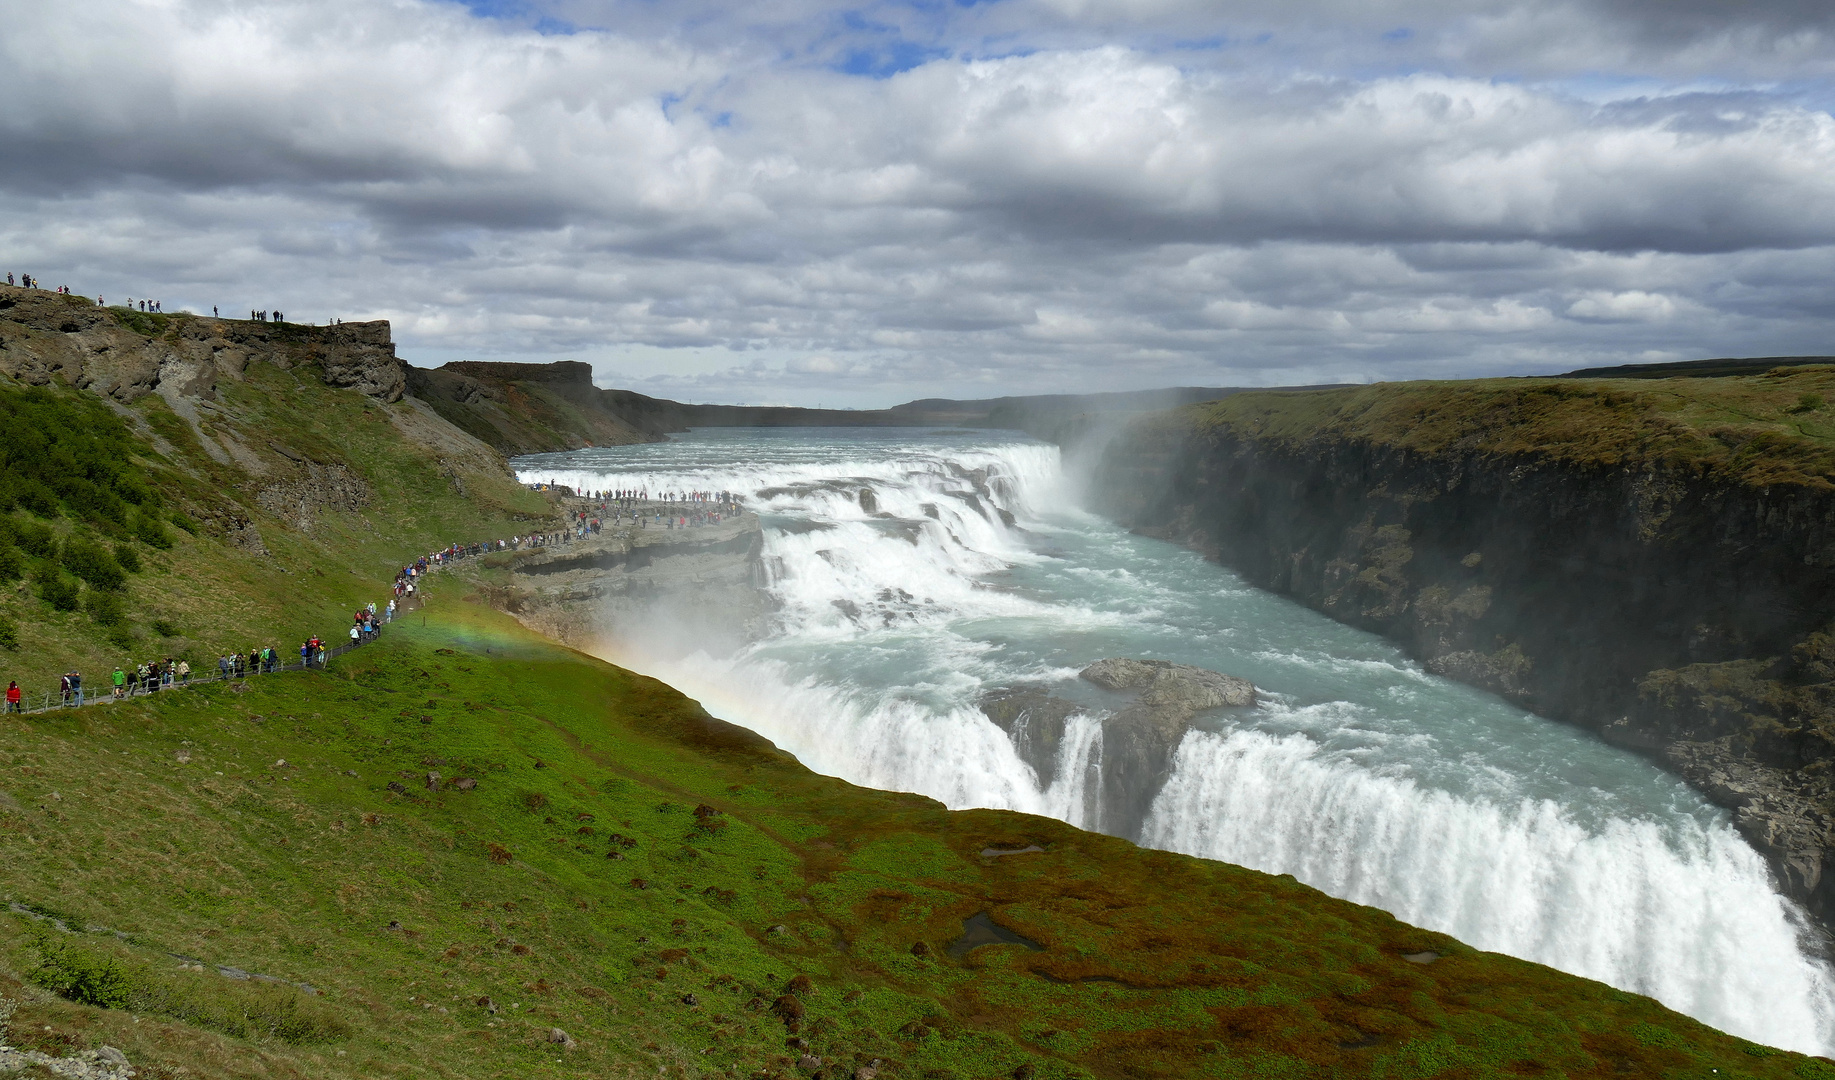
[
  {"x": 1138, "y": 741},
  {"x": 868, "y": 501},
  {"x": 1035, "y": 721},
  {"x": 1172, "y": 686}
]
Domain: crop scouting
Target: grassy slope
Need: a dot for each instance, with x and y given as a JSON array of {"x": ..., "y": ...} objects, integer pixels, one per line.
[
  {"x": 1776, "y": 428},
  {"x": 221, "y": 597},
  {"x": 528, "y": 417},
  {"x": 1154, "y": 964}
]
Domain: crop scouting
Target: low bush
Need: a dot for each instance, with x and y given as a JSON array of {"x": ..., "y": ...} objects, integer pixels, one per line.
[
  {"x": 128, "y": 558},
  {"x": 61, "y": 592},
  {"x": 243, "y": 1009},
  {"x": 150, "y": 531},
  {"x": 93, "y": 563},
  {"x": 12, "y": 563},
  {"x": 32, "y": 538},
  {"x": 9, "y": 633},
  {"x": 105, "y": 608}
]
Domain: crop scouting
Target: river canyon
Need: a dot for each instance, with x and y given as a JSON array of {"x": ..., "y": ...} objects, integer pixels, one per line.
[{"x": 912, "y": 576}]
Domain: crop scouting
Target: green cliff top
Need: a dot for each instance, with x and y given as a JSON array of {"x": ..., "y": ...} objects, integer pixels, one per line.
[{"x": 1775, "y": 428}]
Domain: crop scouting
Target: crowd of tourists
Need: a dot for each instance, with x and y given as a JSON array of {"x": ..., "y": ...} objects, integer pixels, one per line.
[
  {"x": 635, "y": 506},
  {"x": 27, "y": 281},
  {"x": 666, "y": 510}
]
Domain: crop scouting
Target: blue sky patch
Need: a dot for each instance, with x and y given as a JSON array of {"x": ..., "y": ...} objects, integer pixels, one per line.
[{"x": 886, "y": 60}]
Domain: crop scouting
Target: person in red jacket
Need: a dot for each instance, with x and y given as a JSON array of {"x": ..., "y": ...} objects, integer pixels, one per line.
[{"x": 12, "y": 697}]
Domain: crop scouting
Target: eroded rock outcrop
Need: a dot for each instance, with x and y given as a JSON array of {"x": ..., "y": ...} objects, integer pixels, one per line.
[
  {"x": 1035, "y": 721},
  {"x": 662, "y": 588},
  {"x": 1138, "y": 739},
  {"x": 46, "y": 336}
]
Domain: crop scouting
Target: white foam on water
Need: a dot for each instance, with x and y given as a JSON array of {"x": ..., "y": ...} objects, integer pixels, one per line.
[{"x": 1678, "y": 911}]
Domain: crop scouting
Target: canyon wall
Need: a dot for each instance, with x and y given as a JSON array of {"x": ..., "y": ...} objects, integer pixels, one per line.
[{"x": 1655, "y": 562}]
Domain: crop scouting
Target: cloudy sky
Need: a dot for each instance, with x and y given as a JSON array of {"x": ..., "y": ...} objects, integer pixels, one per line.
[{"x": 859, "y": 204}]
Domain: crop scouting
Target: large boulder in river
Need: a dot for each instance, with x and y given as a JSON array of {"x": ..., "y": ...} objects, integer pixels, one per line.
[
  {"x": 1138, "y": 741},
  {"x": 1174, "y": 686}
]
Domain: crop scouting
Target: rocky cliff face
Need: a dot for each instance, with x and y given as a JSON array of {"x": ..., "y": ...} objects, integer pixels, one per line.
[
  {"x": 1138, "y": 737},
  {"x": 1661, "y": 602},
  {"x": 123, "y": 355},
  {"x": 667, "y": 588}
]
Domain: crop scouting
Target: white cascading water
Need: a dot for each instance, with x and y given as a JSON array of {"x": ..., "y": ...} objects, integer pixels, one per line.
[{"x": 1360, "y": 774}]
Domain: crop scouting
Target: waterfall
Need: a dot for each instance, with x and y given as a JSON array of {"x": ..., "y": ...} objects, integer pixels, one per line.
[{"x": 967, "y": 570}]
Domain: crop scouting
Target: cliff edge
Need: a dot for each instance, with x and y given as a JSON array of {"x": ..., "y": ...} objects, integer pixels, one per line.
[
  {"x": 125, "y": 354},
  {"x": 1653, "y": 560}
]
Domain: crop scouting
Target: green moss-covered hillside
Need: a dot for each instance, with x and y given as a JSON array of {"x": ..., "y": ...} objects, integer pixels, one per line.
[
  {"x": 680, "y": 899},
  {"x": 1774, "y": 428}
]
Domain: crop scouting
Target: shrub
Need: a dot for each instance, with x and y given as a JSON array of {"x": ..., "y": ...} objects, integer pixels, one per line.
[
  {"x": 165, "y": 627},
  {"x": 120, "y": 635},
  {"x": 79, "y": 975},
  {"x": 105, "y": 608},
  {"x": 9, "y": 633},
  {"x": 151, "y": 532},
  {"x": 93, "y": 563},
  {"x": 12, "y": 563},
  {"x": 63, "y": 451},
  {"x": 128, "y": 558},
  {"x": 185, "y": 523},
  {"x": 237, "y": 1008},
  {"x": 34, "y": 539},
  {"x": 61, "y": 592}
]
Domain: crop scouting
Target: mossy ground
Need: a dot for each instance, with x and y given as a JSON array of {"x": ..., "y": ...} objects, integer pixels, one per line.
[
  {"x": 1774, "y": 428},
  {"x": 405, "y": 908}
]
